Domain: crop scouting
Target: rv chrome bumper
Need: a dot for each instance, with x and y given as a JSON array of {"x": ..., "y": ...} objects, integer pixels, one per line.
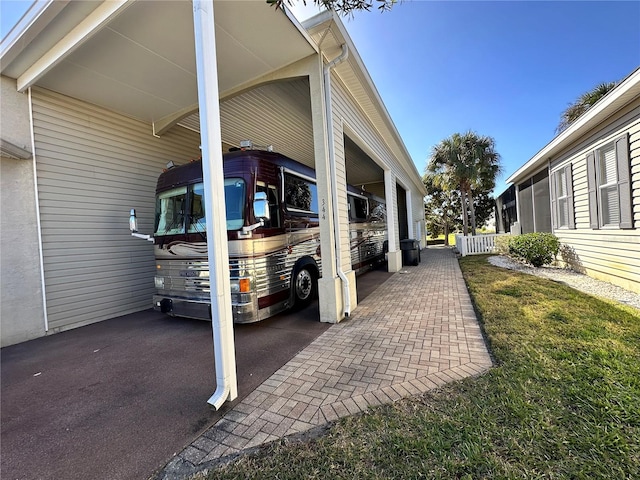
[
  {"x": 179, "y": 307},
  {"x": 246, "y": 312}
]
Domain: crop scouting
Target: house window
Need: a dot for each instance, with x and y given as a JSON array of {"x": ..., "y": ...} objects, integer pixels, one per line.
[
  {"x": 563, "y": 207},
  {"x": 609, "y": 182},
  {"x": 562, "y": 198}
]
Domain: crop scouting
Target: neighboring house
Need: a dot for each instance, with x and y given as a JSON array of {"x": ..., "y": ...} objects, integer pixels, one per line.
[
  {"x": 97, "y": 98},
  {"x": 585, "y": 187},
  {"x": 506, "y": 211}
]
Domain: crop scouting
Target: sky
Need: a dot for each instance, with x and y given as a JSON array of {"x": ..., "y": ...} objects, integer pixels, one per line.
[{"x": 506, "y": 69}]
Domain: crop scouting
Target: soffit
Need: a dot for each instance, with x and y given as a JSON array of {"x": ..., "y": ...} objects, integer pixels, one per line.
[{"x": 142, "y": 62}]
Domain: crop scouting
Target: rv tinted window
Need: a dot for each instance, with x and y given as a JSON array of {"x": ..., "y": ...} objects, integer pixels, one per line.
[
  {"x": 170, "y": 210},
  {"x": 357, "y": 208},
  {"x": 234, "y": 195},
  {"x": 300, "y": 195},
  {"x": 198, "y": 221}
]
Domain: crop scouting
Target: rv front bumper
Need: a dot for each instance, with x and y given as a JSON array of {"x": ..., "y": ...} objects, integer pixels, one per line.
[
  {"x": 179, "y": 307},
  {"x": 245, "y": 311}
]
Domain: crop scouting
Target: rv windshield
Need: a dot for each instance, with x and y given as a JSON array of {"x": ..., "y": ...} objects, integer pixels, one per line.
[
  {"x": 234, "y": 196},
  {"x": 170, "y": 211},
  {"x": 173, "y": 214}
]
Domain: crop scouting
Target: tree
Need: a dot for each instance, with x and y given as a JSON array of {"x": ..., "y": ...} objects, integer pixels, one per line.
[
  {"x": 584, "y": 102},
  {"x": 343, "y": 7},
  {"x": 468, "y": 163},
  {"x": 441, "y": 207}
]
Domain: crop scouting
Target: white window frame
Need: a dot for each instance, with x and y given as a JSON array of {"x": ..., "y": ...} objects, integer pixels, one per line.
[
  {"x": 611, "y": 185},
  {"x": 562, "y": 200}
]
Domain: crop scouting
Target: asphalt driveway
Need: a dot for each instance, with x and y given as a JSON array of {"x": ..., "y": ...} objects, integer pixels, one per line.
[{"x": 117, "y": 399}]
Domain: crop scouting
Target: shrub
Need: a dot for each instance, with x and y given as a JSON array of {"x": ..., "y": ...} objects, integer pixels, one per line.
[
  {"x": 501, "y": 245},
  {"x": 535, "y": 248}
]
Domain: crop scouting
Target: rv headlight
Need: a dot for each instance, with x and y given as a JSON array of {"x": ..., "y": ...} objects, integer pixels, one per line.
[
  {"x": 240, "y": 285},
  {"x": 159, "y": 281}
]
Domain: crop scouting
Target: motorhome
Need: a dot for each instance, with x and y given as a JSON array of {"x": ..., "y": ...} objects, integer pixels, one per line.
[{"x": 272, "y": 231}]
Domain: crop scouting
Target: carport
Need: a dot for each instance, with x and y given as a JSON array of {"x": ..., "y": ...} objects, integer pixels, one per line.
[{"x": 113, "y": 95}]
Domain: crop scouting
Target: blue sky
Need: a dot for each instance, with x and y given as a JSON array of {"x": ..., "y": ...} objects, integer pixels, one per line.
[{"x": 505, "y": 69}]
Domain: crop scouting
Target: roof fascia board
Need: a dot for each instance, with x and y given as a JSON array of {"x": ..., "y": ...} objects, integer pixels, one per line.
[
  {"x": 596, "y": 114},
  {"x": 30, "y": 25},
  {"x": 76, "y": 37},
  {"x": 294, "y": 21}
]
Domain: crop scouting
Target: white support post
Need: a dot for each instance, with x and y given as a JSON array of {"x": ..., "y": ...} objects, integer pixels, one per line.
[{"x": 213, "y": 178}]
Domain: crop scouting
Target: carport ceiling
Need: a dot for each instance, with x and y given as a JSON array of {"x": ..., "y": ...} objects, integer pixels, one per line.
[
  {"x": 139, "y": 59},
  {"x": 279, "y": 114}
]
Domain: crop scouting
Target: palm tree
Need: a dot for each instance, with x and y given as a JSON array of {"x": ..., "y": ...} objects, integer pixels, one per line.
[
  {"x": 468, "y": 163},
  {"x": 584, "y": 103}
]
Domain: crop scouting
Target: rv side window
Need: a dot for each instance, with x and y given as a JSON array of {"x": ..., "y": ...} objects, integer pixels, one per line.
[
  {"x": 198, "y": 221},
  {"x": 300, "y": 195},
  {"x": 170, "y": 214},
  {"x": 378, "y": 211},
  {"x": 234, "y": 196},
  {"x": 274, "y": 204},
  {"x": 357, "y": 209}
]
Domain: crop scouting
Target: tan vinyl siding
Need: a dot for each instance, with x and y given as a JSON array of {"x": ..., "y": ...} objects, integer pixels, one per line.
[
  {"x": 346, "y": 109},
  {"x": 609, "y": 254},
  {"x": 93, "y": 166}
]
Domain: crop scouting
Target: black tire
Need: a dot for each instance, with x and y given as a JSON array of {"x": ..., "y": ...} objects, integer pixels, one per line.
[{"x": 304, "y": 287}]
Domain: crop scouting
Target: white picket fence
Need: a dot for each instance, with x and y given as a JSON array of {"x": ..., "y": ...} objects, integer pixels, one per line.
[{"x": 475, "y": 245}]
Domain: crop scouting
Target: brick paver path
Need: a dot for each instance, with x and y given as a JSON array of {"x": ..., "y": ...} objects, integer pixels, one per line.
[{"x": 414, "y": 333}]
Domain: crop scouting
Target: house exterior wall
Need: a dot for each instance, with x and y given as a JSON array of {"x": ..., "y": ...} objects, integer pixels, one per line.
[
  {"x": 21, "y": 306},
  {"x": 92, "y": 167},
  {"x": 607, "y": 253},
  {"x": 346, "y": 111}
]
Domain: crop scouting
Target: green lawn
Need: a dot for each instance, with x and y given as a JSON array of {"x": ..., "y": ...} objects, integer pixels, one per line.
[{"x": 562, "y": 402}]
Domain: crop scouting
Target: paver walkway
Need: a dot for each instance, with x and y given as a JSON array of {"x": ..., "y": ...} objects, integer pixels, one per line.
[{"x": 414, "y": 333}]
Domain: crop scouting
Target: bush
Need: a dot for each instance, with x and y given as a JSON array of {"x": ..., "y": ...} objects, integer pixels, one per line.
[
  {"x": 535, "y": 248},
  {"x": 501, "y": 245}
]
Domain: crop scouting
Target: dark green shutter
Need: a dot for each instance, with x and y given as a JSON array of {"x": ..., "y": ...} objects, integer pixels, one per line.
[
  {"x": 624, "y": 182},
  {"x": 568, "y": 170},
  {"x": 593, "y": 189}
]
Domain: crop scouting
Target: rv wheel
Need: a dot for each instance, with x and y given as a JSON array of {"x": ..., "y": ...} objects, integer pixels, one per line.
[{"x": 304, "y": 287}]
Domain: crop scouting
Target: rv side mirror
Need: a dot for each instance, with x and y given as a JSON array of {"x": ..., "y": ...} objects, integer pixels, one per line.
[
  {"x": 261, "y": 206},
  {"x": 133, "y": 221}
]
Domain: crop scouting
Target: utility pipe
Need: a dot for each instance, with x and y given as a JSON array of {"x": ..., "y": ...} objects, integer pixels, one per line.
[
  {"x": 212, "y": 175},
  {"x": 346, "y": 296},
  {"x": 43, "y": 283}
]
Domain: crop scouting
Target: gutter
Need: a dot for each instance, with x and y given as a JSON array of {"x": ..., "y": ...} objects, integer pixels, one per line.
[{"x": 346, "y": 297}]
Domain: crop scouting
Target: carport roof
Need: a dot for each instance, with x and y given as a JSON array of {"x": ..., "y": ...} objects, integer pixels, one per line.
[{"x": 137, "y": 57}]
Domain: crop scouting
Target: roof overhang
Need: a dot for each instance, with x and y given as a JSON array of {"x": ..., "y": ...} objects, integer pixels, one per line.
[
  {"x": 618, "y": 98},
  {"x": 137, "y": 58}
]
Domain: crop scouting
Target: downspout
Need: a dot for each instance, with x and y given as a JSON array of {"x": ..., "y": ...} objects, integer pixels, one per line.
[
  {"x": 212, "y": 175},
  {"x": 38, "y": 219},
  {"x": 346, "y": 297}
]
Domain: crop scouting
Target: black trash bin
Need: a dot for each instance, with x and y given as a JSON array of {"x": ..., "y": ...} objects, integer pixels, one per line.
[{"x": 410, "y": 251}]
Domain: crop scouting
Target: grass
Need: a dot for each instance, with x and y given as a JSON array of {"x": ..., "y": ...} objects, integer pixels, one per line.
[
  {"x": 440, "y": 239},
  {"x": 562, "y": 402}
]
